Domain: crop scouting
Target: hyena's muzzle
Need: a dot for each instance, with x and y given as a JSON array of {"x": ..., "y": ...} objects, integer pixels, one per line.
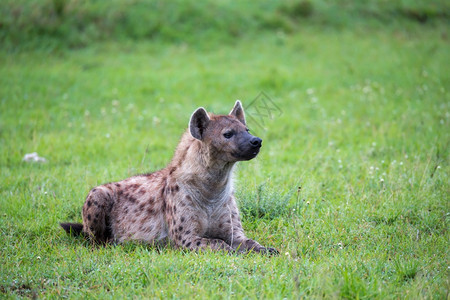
[{"x": 248, "y": 146}]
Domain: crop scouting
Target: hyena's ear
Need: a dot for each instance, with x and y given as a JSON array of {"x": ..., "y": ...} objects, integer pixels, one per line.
[
  {"x": 198, "y": 123},
  {"x": 238, "y": 112}
]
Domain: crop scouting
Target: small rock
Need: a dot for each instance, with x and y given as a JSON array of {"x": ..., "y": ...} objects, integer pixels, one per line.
[{"x": 33, "y": 157}]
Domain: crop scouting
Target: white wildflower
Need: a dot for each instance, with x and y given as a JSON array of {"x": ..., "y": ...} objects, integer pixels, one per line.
[{"x": 366, "y": 89}]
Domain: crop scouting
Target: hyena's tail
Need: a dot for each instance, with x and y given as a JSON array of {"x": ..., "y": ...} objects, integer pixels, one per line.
[{"x": 72, "y": 228}]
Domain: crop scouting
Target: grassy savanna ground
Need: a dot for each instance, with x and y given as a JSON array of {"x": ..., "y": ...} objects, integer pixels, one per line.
[{"x": 351, "y": 184}]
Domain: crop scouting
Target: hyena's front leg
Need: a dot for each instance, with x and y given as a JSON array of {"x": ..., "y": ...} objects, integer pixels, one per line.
[
  {"x": 188, "y": 234},
  {"x": 234, "y": 233},
  {"x": 188, "y": 237},
  {"x": 197, "y": 243},
  {"x": 241, "y": 243}
]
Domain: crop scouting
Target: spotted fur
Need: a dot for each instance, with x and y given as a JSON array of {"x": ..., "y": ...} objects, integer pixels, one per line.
[{"x": 190, "y": 203}]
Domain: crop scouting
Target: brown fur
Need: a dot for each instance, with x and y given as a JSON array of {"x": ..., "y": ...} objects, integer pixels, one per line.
[{"x": 190, "y": 203}]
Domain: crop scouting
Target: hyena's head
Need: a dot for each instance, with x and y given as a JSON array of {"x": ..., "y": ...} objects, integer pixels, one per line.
[{"x": 226, "y": 136}]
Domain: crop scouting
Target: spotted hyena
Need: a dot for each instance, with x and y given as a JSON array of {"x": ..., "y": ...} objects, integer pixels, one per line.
[{"x": 190, "y": 203}]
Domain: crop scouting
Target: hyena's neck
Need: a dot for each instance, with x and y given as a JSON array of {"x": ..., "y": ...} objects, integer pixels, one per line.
[{"x": 193, "y": 165}]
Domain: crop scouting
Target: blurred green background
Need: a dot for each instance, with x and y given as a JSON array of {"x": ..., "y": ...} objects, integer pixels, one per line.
[
  {"x": 351, "y": 184},
  {"x": 78, "y": 23}
]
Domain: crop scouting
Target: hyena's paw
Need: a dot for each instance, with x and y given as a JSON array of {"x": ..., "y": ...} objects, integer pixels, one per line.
[
  {"x": 271, "y": 251},
  {"x": 254, "y": 246},
  {"x": 266, "y": 251}
]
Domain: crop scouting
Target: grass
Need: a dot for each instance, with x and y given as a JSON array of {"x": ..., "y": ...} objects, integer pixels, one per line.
[
  {"x": 351, "y": 184},
  {"x": 55, "y": 24}
]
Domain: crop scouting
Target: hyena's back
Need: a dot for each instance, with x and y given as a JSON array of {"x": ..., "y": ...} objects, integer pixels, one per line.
[{"x": 129, "y": 209}]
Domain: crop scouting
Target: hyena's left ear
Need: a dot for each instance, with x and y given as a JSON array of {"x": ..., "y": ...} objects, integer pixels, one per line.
[
  {"x": 198, "y": 123},
  {"x": 238, "y": 112}
]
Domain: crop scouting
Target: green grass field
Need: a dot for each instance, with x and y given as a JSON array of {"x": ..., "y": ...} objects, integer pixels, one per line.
[{"x": 351, "y": 184}]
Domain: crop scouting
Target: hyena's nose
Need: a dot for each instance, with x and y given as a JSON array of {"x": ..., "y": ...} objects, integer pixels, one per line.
[{"x": 256, "y": 142}]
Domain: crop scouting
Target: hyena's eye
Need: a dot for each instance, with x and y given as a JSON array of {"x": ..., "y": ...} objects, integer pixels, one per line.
[{"x": 228, "y": 134}]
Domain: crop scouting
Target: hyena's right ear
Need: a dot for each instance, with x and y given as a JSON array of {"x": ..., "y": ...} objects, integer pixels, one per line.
[
  {"x": 198, "y": 123},
  {"x": 238, "y": 112}
]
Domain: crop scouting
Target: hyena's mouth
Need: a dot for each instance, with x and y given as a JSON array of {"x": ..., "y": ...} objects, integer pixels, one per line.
[
  {"x": 256, "y": 151},
  {"x": 247, "y": 155}
]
